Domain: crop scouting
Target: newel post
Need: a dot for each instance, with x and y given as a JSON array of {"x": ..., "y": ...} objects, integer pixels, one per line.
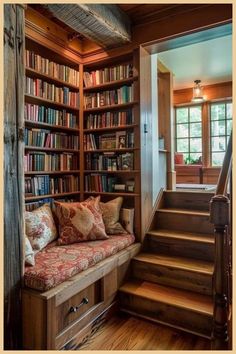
[{"x": 219, "y": 216}]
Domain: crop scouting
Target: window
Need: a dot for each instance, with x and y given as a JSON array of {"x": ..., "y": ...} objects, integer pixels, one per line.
[
  {"x": 189, "y": 133},
  {"x": 221, "y": 125}
]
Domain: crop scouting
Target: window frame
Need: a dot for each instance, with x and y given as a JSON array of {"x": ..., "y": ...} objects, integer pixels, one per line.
[
  {"x": 211, "y": 103},
  {"x": 189, "y": 106}
]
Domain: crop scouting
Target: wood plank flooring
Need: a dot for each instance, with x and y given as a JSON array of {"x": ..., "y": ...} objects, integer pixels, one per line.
[{"x": 125, "y": 332}]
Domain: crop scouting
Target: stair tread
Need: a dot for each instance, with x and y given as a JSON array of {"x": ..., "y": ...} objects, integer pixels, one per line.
[
  {"x": 183, "y": 235},
  {"x": 168, "y": 191},
  {"x": 183, "y": 211},
  {"x": 183, "y": 263},
  {"x": 180, "y": 298}
]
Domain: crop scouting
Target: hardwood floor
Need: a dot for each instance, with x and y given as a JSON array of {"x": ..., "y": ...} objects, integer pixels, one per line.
[{"x": 125, "y": 332}]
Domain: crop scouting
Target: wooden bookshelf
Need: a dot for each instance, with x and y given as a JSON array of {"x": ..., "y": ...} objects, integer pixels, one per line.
[
  {"x": 112, "y": 172},
  {"x": 33, "y": 124},
  {"x": 72, "y": 118},
  {"x": 71, "y": 172},
  {"x": 115, "y": 128},
  {"x": 111, "y": 107},
  {"x": 114, "y": 194},
  {"x": 131, "y": 199},
  {"x": 38, "y": 148},
  {"x": 48, "y": 103},
  {"x": 111, "y": 150},
  {"x": 126, "y": 113},
  {"x": 58, "y": 195}
]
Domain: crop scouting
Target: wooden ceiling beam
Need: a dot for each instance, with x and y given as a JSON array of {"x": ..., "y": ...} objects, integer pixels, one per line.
[{"x": 106, "y": 25}]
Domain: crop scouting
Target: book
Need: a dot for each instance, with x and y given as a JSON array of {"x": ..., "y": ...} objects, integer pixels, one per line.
[{"x": 121, "y": 139}]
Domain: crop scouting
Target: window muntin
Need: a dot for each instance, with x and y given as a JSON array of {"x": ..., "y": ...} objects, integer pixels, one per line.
[
  {"x": 189, "y": 133},
  {"x": 220, "y": 129}
]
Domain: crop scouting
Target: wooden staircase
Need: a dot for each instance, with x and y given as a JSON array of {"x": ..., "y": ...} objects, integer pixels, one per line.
[{"x": 171, "y": 279}]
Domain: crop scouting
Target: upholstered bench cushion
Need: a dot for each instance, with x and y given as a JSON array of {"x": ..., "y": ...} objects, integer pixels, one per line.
[{"x": 55, "y": 264}]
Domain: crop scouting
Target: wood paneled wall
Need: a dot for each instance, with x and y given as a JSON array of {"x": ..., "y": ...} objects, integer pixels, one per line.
[
  {"x": 211, "y": 92},
  {"x": 13, "y": 172}
]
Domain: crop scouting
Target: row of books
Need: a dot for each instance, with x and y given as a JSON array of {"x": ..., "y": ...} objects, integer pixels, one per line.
[
  {"x": 109, "y": 119},
  {"x": 99, "y": 183},
  {"x": 42, "y": 114},
  {"x": 43, "y": 185},
  {"x": 30, "y": 206},
  {"x": 110, "y": 162},
  {"x": 118, "y": 140},
  {"x": 113, "y": 73},
  {"x": 39, "y": 161},
  {"x": 103, "y": 183},
  {"x": 43, "y": 89},
  {"x": 44, "y": 138},
  {"x": 121, "y": 95},
  {"x": 48, "y": 67}
]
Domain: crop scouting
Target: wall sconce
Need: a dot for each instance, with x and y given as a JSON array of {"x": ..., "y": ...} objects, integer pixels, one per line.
[{"x": 197, "y": 92}]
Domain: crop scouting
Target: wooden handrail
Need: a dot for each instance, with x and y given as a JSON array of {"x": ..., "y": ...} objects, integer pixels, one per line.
[
  {"x": 222, "y": 183},
  {"x": 220, "y": 218}
]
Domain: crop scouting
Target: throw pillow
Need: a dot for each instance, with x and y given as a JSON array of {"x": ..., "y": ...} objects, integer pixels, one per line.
[
  {"x": 29, "y": 253},
  {"x": 127, "y": 219},
  {"x": 111, "y": 215},
  {"x": 40, "y": 227},
  {"x": 80, "y": 221}
]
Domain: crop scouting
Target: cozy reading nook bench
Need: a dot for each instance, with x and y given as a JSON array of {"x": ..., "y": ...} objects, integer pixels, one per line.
[{"x": 71, "y": 288}]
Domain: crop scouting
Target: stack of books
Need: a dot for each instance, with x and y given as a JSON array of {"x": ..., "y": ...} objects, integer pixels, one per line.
[
  {"x": 43, "y": 185},
  {"x": 114, "y": 73},
  {"x": 99, "y": 183},
  {"x": 45, "y": 66},
  {"x": 40, "y": 161},
  {"x": 48, "y": 115},
  {"x": 110, "y": 161},
  {"x": 121, "y": 95},
  {"x": 118, "y": 140},
  {"x": 43, "y": 89},
  {"x": 44, "y": 138},
  {"x": 109, "y": 119}
]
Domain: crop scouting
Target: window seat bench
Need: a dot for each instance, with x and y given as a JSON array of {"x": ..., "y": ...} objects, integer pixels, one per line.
[{"x": 71, "y": 288}]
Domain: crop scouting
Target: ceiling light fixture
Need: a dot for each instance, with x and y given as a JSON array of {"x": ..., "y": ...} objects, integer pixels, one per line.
[{"x": 197, "y": 92}]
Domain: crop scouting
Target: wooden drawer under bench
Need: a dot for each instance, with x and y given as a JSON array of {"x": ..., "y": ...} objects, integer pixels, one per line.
[{"x": 61, "y": 318}]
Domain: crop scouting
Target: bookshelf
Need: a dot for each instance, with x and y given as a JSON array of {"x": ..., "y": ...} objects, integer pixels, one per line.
[
  {"x": 82, "y": 127},
  {"x": 52, "y": 129},
  {"x": 111, "y": 131}
]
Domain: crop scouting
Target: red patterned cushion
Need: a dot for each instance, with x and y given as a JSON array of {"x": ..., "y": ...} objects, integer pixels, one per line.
[
  {"x": 80, "y": 221},
  {"x": 55, "y": 264}
]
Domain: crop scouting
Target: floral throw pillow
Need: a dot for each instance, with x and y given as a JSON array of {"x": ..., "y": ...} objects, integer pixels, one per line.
[
  {"x": 80, "y": 221},
  {"x": 29, "y": 253},
  {"x": 111, "y": 216},
  {"x": 40, "y": 227}
]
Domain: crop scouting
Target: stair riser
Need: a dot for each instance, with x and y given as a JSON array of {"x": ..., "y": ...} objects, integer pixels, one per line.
[
  {"x": 183, "y": 222},
  {"x": 178, "y": 278},
  {"x": 192, "y": 201},
  {"x": 177, "y": 317},
  {"x": 182, "y": 248}
]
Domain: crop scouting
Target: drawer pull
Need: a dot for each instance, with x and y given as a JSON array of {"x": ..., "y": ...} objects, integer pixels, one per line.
[{"x": 76, "y": 308}]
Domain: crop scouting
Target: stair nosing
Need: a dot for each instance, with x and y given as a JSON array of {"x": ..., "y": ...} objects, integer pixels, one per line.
[
  {"x": 183, "y": 211},
  {"x": 145, "y": 296},
  {"x": 177, "y": 235},
  {"x": 175, "y": 266}
]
